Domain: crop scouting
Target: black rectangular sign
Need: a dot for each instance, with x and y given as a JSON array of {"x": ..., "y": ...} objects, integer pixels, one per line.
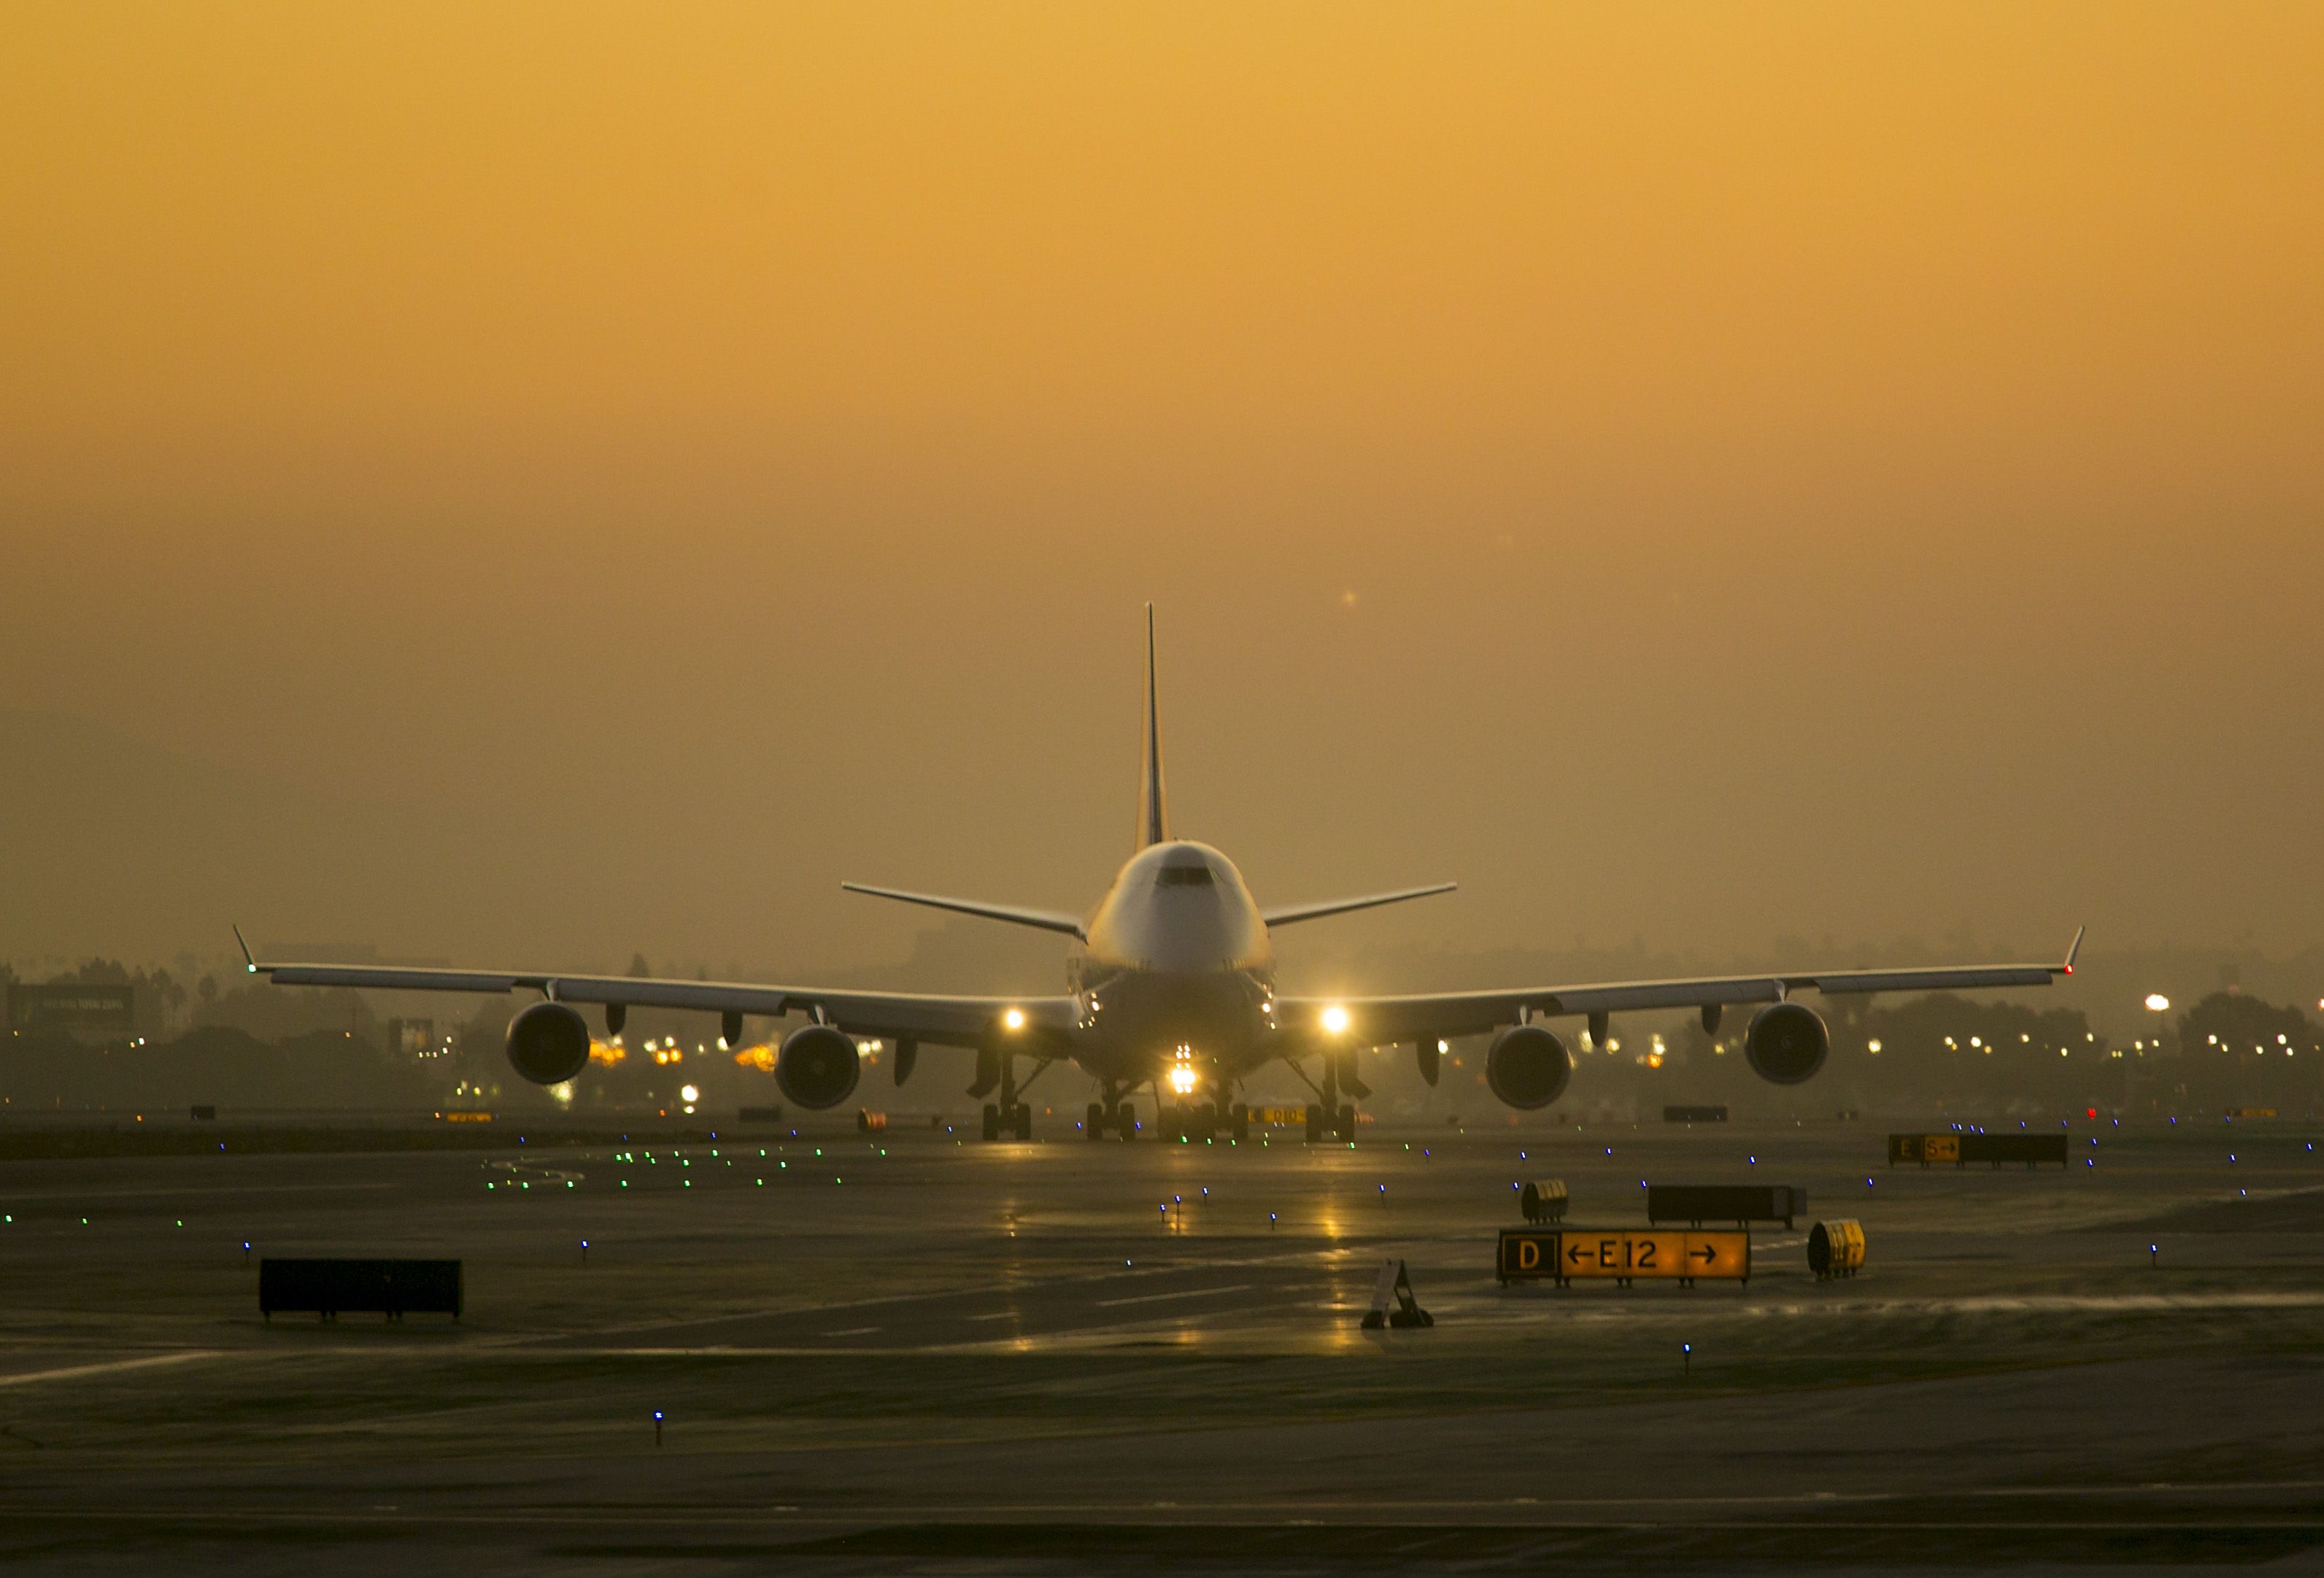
[
  {"x": 2029, "y": 1149},
  {"x": 1962, "y": 1149},
  {"x": 389, "y": 1288},
  {"x": 1724, "y": 1203}
]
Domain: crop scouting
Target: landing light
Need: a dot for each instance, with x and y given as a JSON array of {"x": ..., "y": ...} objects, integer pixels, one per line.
[
  {"x": 1335, "y": 1019},
  {"x": 688, "y": 1093},
  {"x": 1182, "y": 1080},
  {"x": 1014, "y": 1019}
]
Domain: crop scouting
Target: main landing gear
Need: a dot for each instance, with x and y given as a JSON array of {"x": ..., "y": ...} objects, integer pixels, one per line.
[
  {"x": 1112, "y": 1116},
  {"x": 1330, "y": 1119},
  {"x": 1009, "y": 1117}
]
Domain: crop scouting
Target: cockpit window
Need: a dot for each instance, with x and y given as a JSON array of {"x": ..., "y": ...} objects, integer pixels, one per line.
[{"x": 1183, "y": 877}]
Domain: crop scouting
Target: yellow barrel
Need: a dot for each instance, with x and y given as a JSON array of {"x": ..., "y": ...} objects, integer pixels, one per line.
[
  {"x": 1544, "y": 1201},
  {"x": 1835, "y": 1249}
]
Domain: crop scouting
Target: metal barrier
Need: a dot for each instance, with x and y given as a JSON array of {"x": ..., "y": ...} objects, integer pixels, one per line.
[
  {"x": 1544, "y": 1201},
  {"x": 1836, "y": 1248}
]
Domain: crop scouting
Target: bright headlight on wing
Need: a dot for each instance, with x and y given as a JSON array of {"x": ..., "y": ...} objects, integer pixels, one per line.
[
  {"x": 1182, "y": 1080},
  {"x": 1014, "y": 1019},
  {"x": 1335, "y": 1019},
  {"x": 688, "y": 1093}
]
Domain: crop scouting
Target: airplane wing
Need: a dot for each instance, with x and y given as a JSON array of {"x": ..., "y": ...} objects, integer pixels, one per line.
[
  {"x": 1015, "y": 914},
  {"x": 1378, "y": 1022},
  {"x": 1291, "y": 912},
  {"x": 954, "y": 1021}
]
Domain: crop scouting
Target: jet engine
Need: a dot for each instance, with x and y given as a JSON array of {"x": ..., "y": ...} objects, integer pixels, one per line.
[
  {"x": 1787, "y": 1043},
  {"x": 1528, "y": 1066},
  {"x": 818, "y": 1066},
  {"x": 548, "y": 1043}
]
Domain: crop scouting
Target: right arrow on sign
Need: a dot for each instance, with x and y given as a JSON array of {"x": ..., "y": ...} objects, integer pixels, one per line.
[{"x": 1708, "y": 1254}]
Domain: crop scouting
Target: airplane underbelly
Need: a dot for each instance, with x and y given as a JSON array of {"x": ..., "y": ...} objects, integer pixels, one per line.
[{"x": 1152, "y": 1015}]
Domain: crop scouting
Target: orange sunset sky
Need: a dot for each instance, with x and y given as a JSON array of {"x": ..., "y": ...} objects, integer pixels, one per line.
[{"x": 534, "y": 482}]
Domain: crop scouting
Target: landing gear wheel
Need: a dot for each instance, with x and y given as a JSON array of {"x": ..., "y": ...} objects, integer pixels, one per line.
[
  {"x": 1314, "y": 1122},
  {"x": 1020, "y": 1122},
  {"x": 1125, "y": 1120},
  {"x": 1345, "y": 1128},
  {"x": 1207, "y": 1122},
  {"x": 1241, "y": 1121},
  {"x": 991, "y": 1122},
  {"x": 1093, "y": 1124}
]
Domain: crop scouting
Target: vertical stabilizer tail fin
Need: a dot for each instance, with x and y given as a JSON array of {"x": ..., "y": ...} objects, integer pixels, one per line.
[{"x": 1153, "y": 804}]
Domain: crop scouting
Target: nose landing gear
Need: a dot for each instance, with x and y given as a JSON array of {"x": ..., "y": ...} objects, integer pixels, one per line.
[
  {"x": 1190, "y": 1120},
  {"x": 1205, "y": 1120}
]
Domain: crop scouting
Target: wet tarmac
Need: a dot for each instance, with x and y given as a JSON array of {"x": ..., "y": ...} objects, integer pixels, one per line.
[{"x": 913, "y": 1351}]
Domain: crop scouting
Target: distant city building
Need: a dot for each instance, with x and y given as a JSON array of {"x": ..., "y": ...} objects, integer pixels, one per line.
[
  {"x": 75, "y": 1007},
  {"x": 417, "y": 1039}
]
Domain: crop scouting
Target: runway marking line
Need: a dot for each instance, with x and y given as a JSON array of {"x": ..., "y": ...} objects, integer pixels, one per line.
[
  {"x": 110, "y": 1367},
  {"x": 197, "y": 1189},
  {"x": 1183, "y": 1293},
  {"x": 1285, "y": 1257}
]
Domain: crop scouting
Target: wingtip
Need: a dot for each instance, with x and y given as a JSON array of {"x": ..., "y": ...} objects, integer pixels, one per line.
[
  {"x": 250, "y": 960},
  {"x": 2073, "y": 949}
]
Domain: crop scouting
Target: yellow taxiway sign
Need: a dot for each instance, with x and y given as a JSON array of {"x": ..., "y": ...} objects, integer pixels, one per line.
[{"x": 1624, "y": 1255}]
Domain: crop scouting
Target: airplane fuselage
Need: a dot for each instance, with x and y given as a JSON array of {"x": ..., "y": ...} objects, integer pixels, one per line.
[{"x": 1177, "y": 970}]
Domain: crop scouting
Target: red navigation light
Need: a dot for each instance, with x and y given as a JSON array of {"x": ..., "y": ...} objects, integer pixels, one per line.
[{"x": 2094, "y": 1112}]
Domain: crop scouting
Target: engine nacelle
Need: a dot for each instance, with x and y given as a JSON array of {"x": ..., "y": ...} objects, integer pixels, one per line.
[
  {"x": 548, "y": 1043},
  {"x": 1528, "y": 1066},
  {"x": 818, "y": 1066},
  {"x": 1787, "y": 1043}
]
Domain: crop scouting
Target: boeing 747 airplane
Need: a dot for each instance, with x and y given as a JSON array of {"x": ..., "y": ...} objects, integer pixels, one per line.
[{"x": 1169, "y": 988}]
